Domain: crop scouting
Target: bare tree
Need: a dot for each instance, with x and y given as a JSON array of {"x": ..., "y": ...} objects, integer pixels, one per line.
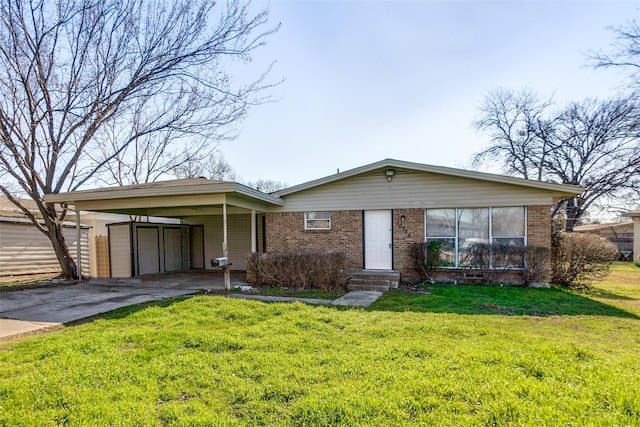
[
  {"x": 624, "y": 54},
  {"x": 82, "y": 82},
  {"x": 212, "y": 166},
  {"x": 591, "y": 143},
  {"x": 267, "y": 185}
]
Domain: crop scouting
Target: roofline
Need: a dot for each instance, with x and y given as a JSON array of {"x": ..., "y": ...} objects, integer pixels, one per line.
[
  {"x": 632, "y": 214},
  {"x": 129, "y": 191},
  {"x": 392, "y": 163},
  {"x": 27, "y": 221}
]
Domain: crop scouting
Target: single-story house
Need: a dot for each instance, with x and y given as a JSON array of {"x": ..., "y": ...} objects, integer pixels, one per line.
[
  {"x": 618, "y": 233},
  {"x": 372, "y": 213},
  {"x": 635, "y": 217}
]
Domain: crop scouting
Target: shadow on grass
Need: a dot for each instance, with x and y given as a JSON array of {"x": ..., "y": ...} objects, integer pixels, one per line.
[
  {"x": 509, "y": 301},
  {"x": 122, "y": 312},
  {"x": 601, "y": 293}
]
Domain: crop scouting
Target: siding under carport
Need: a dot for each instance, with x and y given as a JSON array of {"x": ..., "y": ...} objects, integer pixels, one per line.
[{"x": 25, "y": 250}]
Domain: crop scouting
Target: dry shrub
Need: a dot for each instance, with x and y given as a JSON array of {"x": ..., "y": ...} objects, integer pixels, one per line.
[
  {"x": 298, "y": 270},
  {"x": 579, "y": 258},
  {"x": 537, "y": 268},
  {"x": 492, "y": 261}
]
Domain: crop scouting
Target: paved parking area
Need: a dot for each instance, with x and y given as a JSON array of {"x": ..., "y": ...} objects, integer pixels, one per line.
[
  {"x": 32, "y": 309},
  {"x": 29, "y": 310}
]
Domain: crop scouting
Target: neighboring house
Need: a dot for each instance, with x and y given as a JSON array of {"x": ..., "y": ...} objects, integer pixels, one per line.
[
  {"x": 372, "y": 213},
  {"x": 618, "y": 233},
  {"x": 25, "y": 250},
  {"x": 635, "y": 217}
]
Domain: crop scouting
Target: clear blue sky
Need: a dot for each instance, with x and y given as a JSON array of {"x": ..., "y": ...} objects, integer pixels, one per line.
[{"x": 367, "y": 80}]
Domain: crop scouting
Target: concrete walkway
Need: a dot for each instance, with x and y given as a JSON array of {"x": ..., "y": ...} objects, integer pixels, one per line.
[
  {"x": 358, "y": 298},
  {"x": 351, "y": 299}
]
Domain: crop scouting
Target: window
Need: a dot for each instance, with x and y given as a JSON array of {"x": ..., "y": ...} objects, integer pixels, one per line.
[
  {"x": 441, "y": 234},
  {"x": 473, "y": 228},
  {"x": 317, "y": 220},
  {"x": 455, "y": 232}
]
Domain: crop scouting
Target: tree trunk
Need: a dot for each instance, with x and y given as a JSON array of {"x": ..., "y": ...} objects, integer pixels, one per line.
[{"x": 67, "y": 264}]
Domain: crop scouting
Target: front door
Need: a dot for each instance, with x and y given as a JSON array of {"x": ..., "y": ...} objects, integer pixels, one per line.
[{"x": 377, "y": 240}]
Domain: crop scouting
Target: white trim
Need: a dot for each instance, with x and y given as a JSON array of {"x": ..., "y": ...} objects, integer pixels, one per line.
[
  {"x": 306, "y": 221},
  {"x": 456, "y": 238}
]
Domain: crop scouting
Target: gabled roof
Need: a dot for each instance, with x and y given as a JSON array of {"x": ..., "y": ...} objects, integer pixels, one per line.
[
  {"x": 568, "y": 190},
  {"x": 188, "y": 186},
  {"x": 594, "y": 227}
]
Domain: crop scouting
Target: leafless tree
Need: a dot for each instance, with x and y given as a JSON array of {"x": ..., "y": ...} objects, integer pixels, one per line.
[
  {"x": 624, "y": 53},
  {"x": 591, "y": 143},
  {"x": 84, "y": 82},
  {"x": 212, "y": 166},
  {"x": 267, "y": 185}
]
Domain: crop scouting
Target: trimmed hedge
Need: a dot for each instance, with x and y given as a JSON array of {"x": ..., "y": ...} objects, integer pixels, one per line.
[{"x": 298, "y": 270}]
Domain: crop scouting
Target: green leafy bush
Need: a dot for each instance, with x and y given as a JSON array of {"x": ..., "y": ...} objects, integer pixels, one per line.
[
  {"x": 298, "y": 270},
  {"x": 580, "y": 258}
]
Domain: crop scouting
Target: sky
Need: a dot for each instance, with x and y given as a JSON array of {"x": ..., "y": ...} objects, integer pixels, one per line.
[{"x": 367, "y": 80}]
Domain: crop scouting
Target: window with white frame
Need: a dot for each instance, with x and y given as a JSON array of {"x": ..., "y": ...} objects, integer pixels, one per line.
[
  {"x": 317, "y": 220},
  {"x": 454, "y": 232}
]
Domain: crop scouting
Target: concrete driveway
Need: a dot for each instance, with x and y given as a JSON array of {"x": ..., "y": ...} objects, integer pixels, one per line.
[{"x": 33, "y": 309}]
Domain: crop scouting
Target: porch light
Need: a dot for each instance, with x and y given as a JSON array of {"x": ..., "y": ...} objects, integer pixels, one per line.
[{"x": 389, "y": 174}]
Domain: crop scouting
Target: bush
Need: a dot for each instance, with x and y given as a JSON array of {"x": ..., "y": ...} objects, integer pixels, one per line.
[
  {"x": 579, "y": 258},
  {"x": 425, "y": 258},
  {"x": 491, "y": 260},
  {"x": 298, "y": 270}
]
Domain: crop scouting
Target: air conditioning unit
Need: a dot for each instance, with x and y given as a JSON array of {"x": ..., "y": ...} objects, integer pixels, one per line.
[{"x": 220, "y": 262}]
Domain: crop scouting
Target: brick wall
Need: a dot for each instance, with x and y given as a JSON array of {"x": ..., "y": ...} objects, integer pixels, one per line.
[
  {"x": 408, "y": 228},
  {"x": 539, "y": 226},
  {"x": 285, "y": 231}
]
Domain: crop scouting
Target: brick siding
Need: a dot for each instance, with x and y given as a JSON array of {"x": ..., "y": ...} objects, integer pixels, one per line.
[
  {"x": 406, "y": 232},
  {"x": 285, "y": 232},
  {"x": 539, "y": 226}
]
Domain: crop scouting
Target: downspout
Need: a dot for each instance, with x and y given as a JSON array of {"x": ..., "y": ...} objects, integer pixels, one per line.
[{"x": 254, "y": 234}]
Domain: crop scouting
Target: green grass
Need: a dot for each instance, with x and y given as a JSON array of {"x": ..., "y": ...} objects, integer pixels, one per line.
[
  {"x": 492, "y": 356},
  {"x": 297, "y": 293}
]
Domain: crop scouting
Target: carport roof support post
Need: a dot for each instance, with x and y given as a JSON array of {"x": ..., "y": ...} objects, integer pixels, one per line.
[
  {"x": 78, "y": 247},
  {"x": 225, "y": 248}
]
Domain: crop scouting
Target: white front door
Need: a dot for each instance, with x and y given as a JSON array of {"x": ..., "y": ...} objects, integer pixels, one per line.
[{"x": 377, "y": 240}]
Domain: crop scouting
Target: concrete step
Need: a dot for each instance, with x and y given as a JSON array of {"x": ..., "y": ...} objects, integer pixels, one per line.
[
  {"x": 375, "y": 280},
  {"x": 366, "y": 287}
]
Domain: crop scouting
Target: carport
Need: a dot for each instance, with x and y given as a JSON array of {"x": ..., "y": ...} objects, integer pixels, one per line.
[{"x": 217, "y": 219}]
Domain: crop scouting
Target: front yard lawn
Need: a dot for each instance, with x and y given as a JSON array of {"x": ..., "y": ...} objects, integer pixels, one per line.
[{"x": 218, "y": 361}]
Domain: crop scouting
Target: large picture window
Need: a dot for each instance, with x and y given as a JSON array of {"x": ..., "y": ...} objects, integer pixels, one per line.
[
  {"x": 317, "y": 220},
  {"x": 456, "y": 232}
]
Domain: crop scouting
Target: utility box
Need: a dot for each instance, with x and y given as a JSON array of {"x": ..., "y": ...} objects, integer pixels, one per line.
[{"x": 220, "y": 262}]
